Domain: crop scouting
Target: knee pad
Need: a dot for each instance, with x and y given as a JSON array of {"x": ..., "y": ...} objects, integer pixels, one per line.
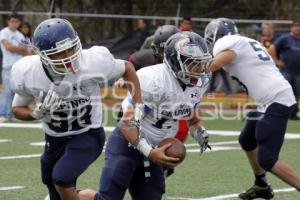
[
  {"x": 247, "y": 137},
  {"x": 246, "y": 143},
  {"x": 266, "y": 158},
  {"x": 63, "y": 179}
]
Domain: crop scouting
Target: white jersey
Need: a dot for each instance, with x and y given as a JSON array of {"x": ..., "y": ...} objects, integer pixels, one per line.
[
  {"x": 255, "y": 69},
  {"x": 81, "y": 107},
  {"x": 166, "y": 102}
]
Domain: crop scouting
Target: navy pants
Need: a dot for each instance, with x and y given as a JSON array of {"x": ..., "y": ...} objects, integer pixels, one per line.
[
  {"x": 66, "y": 158},
  {"x": 124, "y": 169},
  {"x": 266, "y": 131}
]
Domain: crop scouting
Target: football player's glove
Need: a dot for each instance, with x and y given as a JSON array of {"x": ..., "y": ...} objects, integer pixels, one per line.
[
  {"x": 46, "y": 105},
  {"x": 201, "y": 136},
  {"x": 138, "y": 114}
]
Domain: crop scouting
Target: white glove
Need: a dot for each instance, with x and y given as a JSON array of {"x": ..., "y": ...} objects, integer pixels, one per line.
[
  {"x": 201, "y": 136},
  {"x": 50, "y": 103},
  {"x": 138, "y": 114}
]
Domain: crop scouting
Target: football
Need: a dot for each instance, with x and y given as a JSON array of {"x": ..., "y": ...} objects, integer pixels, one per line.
[{"x": 177, "y": 150}]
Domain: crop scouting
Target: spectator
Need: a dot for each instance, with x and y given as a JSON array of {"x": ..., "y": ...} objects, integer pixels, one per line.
[
  {"x": 12, "y": 50},
  {"x": 25, "y": 29},
  {"x": 286, "y": 52},
  {"x": 142, "y": 29},
  {"x": 141, "y": 25},
  {"x": 267, "y": 37},
  {"x": 186, "y": 24},
  {"x": 132, "y": 42}
]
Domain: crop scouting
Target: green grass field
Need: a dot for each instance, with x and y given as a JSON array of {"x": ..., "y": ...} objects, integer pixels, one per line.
[{"x": 216, "y": 173}]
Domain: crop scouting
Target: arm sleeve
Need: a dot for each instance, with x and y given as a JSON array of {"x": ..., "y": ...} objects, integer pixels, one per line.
[
  {"x": 104, "y": 66},
  {"x": 151, "y": 93},
  {"x": 226, "y": 43},
  {"x": 20, "y": 100},
  {"x": 16, "y": 82},
  {"x": 118, "y": 69}
]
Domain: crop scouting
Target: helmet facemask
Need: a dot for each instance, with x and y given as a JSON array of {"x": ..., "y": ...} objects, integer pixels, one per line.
[
  {"x": 193, "y": 62},
  {"x": 218, "y": 28},
  {"x": 210, "y": 34},
  {"x": 68, "y": 65},
  {"x": 158, "y": 51}
]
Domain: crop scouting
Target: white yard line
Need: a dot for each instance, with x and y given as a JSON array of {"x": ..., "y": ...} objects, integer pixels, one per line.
[
  {"x": 11, "y": 188},
  {"x": 212, "y": 143},
  {"x": 4, "y": 140},
  {"x": 111, "y": 128},
  {"x": 20, "y": 156},
  {"x": 21, "y": 125},
  {"x": 226, "y": 196},
  {"x": 213, "y": 149},
  {"x": 37, "y": 143}
]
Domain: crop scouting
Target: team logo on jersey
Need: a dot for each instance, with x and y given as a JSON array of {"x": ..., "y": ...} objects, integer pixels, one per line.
[
  {"x": 75, "y": 103},
  {"x": 183, "y": 111},
  {"x": 194, "y": 95}
]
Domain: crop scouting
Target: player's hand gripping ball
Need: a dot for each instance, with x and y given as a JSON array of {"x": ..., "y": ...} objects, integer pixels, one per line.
[{"x": 176, "y": 150}]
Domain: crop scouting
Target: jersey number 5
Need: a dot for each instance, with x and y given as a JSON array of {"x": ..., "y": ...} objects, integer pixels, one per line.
[{"x": 260, "y": 52}]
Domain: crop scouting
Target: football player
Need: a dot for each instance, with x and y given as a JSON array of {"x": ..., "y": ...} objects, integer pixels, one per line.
[
  {"x": 64, "y": 81},
  {"x": 146, "y": 57},
  {"x": 132, "y": 160},
  {"x": 263, "y": 134},
  {"x": 155, "y": 55}
]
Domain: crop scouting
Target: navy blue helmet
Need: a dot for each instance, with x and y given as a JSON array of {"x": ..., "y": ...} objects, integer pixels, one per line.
[
  {"x": 218, "y": 28},
  {"x": 161, "y": 35},
  {"x": 187, "y": 55},
  {"x": 54, "y": 36}
]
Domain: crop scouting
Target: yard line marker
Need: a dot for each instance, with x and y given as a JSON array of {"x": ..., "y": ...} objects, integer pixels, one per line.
[
  {"x": 227, "y": 196},
  {"x": 20, "y": 156},
  {"x": 21, "y": 125},
  {"x": 213, "y": 149},
  {"x": 111, "y": 128},
  {"x": 212, "y": 143},
  {"x": 11, "y": 188},
  {"x": 4, "y": 140},
  {"x": 37, "y": 143}
]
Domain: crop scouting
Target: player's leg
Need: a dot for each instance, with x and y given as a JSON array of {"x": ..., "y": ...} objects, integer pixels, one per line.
[
  {"x": 53, "y": 151},
  {"x": 150, "y": 188},
  {"x": 270, "y": 136},
  {"x": 79, "y": 153},
  {"x": 120, "y": 164},
  {"x": 248, "y": 143}
]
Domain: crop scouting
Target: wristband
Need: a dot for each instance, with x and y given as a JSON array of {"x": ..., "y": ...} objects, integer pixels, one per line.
[{"x": 143, "y": 146}]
